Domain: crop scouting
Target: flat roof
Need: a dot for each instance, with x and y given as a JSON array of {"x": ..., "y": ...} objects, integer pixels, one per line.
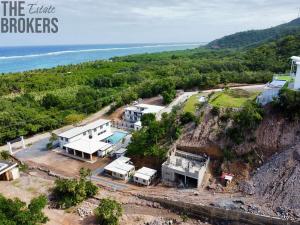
[
  {"x": 120, "y": 151},
  {"x": 147, "y": 108},
  {"x": 277, "y": 83},
  {"x": 120, "y": 166},
  {"x": 151, "y": 108},
  {"x": 81, "y": 129},
  {"x": 88, "y": 146},
  {"x": 145, "y": 173},
  {"x": 6, "y": 166},
  {"x": 296, "y": 58}
]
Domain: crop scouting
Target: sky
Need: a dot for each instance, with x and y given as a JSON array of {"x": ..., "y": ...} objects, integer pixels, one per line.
[{"x": 155, "y": 21}]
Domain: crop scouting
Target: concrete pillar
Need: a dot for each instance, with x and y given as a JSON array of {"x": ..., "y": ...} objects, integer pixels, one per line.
[
  {"x": 185, "y": 180},
  {"x": 82, "y": 155},
  {"x": 23, "y": 142},
  {"x": 67, "y": 150},
  {"x": 91, "y": 157},
  {"x": 9, "y": 148},
  {"x": 74, "y": 151}
]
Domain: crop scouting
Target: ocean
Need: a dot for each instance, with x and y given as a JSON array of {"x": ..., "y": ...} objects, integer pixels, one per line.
[{"x": 19, "y": 59}]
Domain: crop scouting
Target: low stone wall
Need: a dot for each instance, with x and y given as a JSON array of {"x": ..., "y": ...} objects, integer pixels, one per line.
[{"x": 214, "y": 213}]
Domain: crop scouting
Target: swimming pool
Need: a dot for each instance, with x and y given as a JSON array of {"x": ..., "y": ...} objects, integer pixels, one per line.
[{"x": 116, "y": 137}]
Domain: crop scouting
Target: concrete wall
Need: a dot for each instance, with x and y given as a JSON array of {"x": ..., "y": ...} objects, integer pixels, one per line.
[
  {"x": 141, "y": 181},
  {"x": 11, "y": 174},
  {"x": 268, "y": 95},
  {"x": 202, "y": 173},
  {"x": 215, "y": 213},
  {"x": 297, "y": 79},
  {"x": 167, "y": 174}
]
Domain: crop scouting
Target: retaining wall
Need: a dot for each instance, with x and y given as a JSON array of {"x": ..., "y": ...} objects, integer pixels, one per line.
[{"x": 215, "y": 213}]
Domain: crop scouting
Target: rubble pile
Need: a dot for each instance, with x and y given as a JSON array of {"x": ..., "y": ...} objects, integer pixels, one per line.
[
  {"x": 278, "y": 183},
  {"x": 162, "y": 221},
  {"x": 86, "y": 209}
]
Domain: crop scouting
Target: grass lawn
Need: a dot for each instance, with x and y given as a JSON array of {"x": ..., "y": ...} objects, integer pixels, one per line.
[
  {"x": 190, "y": 105},
  {"x": 232, "y": 98},
  {"x": 284, "y": 77}
]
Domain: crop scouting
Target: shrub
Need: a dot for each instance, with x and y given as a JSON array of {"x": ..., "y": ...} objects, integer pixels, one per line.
[
  {"x": 50, "y": 101},
  {"x": 23, "y": 167},
  {"x": 289, "y": 103},
  {"x": 4, "y": 155},
  {"x": 228, "y": 154},
  {"x": 74, "y": 118},
  {"x": 15, "y": 212},
  {"x": 245, "y": 121},
  {"x": 215, "y": 111},
  {"x": 187, "y": 118},
  {"x": 168, "y": 96},
  {"x": 147, "y": 119},
  {"x": 71, "y": 192},
  {"x": 108, "y": 212}
]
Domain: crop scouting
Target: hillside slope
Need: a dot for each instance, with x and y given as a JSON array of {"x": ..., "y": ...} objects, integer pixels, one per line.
[
  {"x": 253, "y": 37},
  {"x": 277, "y": 181},
  {"x": 270, "y": 154}
]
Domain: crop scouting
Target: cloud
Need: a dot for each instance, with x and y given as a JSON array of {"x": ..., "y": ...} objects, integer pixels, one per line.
[
  {"x": 162, "y": 12},
  {"x": 123, "y": 21}
]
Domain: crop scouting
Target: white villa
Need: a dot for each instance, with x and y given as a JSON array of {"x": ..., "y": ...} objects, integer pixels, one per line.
[
  {"x": 271, "y": 90},
  {"x": 133, "y": 114},
  {"x": 87, "y": 141},
  {"x": 144, "y": 176},
  {"x": 296, "y": 71},
  {"x": 120, "y": 168}
]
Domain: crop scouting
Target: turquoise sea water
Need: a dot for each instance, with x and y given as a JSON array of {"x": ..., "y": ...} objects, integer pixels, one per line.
[{"x": 18, "y": 59}]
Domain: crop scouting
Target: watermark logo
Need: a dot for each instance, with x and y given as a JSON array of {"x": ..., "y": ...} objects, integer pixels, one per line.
[{"x": 27, "y": 17}]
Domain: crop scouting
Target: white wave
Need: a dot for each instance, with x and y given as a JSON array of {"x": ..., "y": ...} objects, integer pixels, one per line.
[{"x": 94, "y": 50}]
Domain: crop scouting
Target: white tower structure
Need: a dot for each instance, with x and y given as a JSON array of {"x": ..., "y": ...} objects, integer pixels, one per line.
[{"x": 296, "y": 62}]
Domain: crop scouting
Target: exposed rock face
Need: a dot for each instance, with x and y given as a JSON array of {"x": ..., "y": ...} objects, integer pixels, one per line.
[
  {"x": 278, "y": 181},
  {"x": 273, "y": 134},
  {"x": 202, "y": 138}
]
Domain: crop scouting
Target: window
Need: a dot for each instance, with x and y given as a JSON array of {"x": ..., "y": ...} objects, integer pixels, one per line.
[
  {"x": 102, "y": 132},
  {"x": 66, "y": 139},
  {"x": 61, "y": 138},
  {"x": 84, "y": 133},
  {"x": 107, "y": 124},
  {"x": 95, "y": 129}
]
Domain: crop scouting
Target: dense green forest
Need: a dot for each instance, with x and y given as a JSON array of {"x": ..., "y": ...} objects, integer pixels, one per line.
[
  {"x": 254, "y": 37},
  {"x": 40, "y": 100}
]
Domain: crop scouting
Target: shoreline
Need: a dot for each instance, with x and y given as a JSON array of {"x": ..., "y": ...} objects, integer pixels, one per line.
[{"x": 53, "y": 56}]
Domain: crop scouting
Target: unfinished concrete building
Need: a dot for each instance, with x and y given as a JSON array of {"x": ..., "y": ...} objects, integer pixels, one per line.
[{"x": 185, "y": 169}]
